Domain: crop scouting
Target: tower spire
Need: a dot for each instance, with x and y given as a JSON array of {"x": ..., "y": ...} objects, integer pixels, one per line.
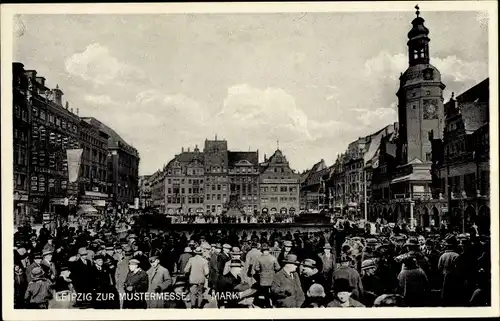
[
  {"x": 278, "y": 144},
  {"x": 417, "y": 12}
]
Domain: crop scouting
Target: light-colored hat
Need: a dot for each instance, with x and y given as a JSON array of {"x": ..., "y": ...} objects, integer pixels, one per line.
[
  {"x": 316, "y": 290},
  {"x": 134, "y": 262},
  {"x": 236, "y": 251},
  {"x": 188, "y": 250},
  {"x": 327, "y": 246},
  {"x": 309, "y": 263},
  {"x": 226, "y": 246},
  {"x": 82, "y": 251},
  {"x": 287, "y": 244},
  {"x": 198, "y": 250}
]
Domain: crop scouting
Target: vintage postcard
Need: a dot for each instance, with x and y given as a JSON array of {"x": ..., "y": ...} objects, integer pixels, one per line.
[{"x": 251, "y": 160}]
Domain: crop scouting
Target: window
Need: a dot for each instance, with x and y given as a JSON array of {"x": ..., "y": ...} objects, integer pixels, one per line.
[
  {"x": 218, "y": 187},
  {"x": 208, "y": 197},
  {"x": 283, "y": 189},
  {"x": 218, "y": 197},
  {"x": 42, "y": 115},
  {"x": 428, "y": 157}
]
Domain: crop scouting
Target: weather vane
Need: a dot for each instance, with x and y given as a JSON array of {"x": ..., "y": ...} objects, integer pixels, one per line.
[{"x": 418, "y": 8}]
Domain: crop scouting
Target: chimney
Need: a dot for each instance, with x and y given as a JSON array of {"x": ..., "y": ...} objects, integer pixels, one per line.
[
  {"x": 67, "y": 105},
  {"x": 77, "y": 111},
  {"x": 41, "y": 81},
  {"x": 182, "y": 150},
  {"x": 31, "y": 74},
  {"x": 189, "y": 149},
  {"x": 71, "y": 110}
]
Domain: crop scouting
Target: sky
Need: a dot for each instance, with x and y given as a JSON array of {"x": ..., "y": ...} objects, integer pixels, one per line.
[{"x": 314, "y": 82}]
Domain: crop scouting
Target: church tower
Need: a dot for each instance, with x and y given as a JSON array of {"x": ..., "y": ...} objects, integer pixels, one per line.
[{"x": 420, "y": 98}]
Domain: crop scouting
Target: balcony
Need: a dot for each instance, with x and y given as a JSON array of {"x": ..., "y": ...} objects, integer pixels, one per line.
[{"x": 422, "y": 195}]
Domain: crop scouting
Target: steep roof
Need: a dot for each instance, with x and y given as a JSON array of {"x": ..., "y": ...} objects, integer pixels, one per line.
[
  {"x": 235, "y": 157},
  {"x": 114, "y": 137}
]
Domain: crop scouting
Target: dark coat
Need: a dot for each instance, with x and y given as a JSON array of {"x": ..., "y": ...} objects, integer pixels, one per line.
[
  {"x": 287, "y": 292},
  {"x": 306, "y": 282},
  {"x": 139, "y": 283},
  {"x": 105, "y": 293},
  {"x": 83, "y": 276}
]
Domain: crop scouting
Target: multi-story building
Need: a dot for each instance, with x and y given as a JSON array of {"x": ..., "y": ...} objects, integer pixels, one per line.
[
  {"x": 92, "y": 181},
  {"x": 279, "y": 186},
  {"x": 313, "y": 189},
  {"x": 402, "y": 183},
  {"x": 335, "y": 185},
  {"x": 158, "y": 190},
  {"x": 122, "y": 168},
  {"x": 461, "y": 168},
  {"x": 216, "y": 175},
  {"x": 243, "y": 169},
  {"x": 184, "y": 184},
  {"x": 21, "y": 143},
  {"x": 145, "y": 191},
  {"x": 54, "y": 130}
]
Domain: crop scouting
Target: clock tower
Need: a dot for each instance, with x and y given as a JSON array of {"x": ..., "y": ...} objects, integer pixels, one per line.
[{"x": 420, "y": 98}]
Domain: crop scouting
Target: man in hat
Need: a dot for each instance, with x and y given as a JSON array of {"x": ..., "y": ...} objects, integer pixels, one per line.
[
  {"x": 38, "y": 292},
  {"x": 49, "y": 246},
  {"x": 327, "y": 264},
  {"x": 346, "y": 271},
  {"x": 235, "y": 255},
  {"x": 48, "y": 266},
  {"x": 37, "y": 261},
  {"x": 82, "y": 270},
  {"x": 286, "y": 288},
  {"x": 413, "y": 283},
  {"x": 135, "y": 286},
  {"x": 310, "y": 275},
  {"x": 224, "y": 257},
  {"x": 266, "y": 267},
  {"x": 20, "y": 285},
  {"x": 251, "y": 258},
  {"x": 184, "y": 258},
  {"x": 229, "y": 281},
  {"x": 21, "y": 256},
  {"x": 197, "y": 268},
  {"x": 105, "y": 293},
  {"x": 343, "y": 295},
  {"x": 287, "y": 249},
  {"x": 181, "y": 299},
  {"x": 214, "y": 267},
  {"x": 122, "y": 270},
  {"x": 159, "y": 281}
]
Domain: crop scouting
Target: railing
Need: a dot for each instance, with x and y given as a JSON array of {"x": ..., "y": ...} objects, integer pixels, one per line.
[{"x": 422, "y": 195}]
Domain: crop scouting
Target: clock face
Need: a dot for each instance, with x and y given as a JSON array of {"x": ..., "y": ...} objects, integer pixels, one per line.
[{"x": 431, "y": 108}]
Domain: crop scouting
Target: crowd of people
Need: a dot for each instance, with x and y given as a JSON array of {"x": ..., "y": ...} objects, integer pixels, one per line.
[{"x": 71, "y": 267}]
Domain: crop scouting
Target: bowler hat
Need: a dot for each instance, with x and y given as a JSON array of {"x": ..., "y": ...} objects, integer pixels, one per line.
[
  {"x": 37, "y": 272},
  {"x": 47, "y": 252},
  {"x": 134, "y": 262},
  {"x": 218, "y": 246},
  {"x": 367, "y": 264},
  {"x": 197, "y": 250},
  {"x": 327, "y": 246},
  {"x": 342, "y": 285},
  {"x": 226, "y": 246},
  {"x": 188, "y": 250},
  {"x": 98, "y": 257},
  {"x": 291, "y": 259},
  {"x": 309, "y": 263},
  {"x": 287, "y": 244}
]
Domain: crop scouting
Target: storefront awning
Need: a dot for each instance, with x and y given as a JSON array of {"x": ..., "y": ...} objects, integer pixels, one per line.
[{"x": 86, "y": 209}]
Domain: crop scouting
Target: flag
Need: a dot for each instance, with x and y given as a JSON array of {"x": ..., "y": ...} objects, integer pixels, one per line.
[{"x": 74, "y": 161}]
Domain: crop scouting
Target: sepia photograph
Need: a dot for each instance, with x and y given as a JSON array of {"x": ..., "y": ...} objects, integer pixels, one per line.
[{"x": 250, "y": 156}]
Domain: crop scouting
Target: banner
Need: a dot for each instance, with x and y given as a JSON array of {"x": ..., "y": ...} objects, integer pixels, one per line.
[{"x": 74, "y": 161}]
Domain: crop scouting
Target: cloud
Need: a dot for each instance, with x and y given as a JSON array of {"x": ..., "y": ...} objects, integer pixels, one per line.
[
  {"x": 99, "y": 99},
  {"x": 96, "y": 64},
  {"x": 378, "y": 117}
]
